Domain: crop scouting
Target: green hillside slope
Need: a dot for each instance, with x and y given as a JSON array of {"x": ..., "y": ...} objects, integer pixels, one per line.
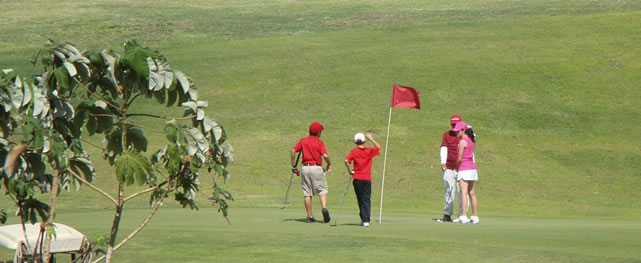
[{"x": 552, "y": 89}]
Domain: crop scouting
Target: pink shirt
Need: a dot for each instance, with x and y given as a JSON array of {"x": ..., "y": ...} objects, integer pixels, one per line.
[{"x": 467, "y": 163}]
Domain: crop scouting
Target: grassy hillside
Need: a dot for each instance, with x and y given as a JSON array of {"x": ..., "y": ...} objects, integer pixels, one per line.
[{"x": 552, "y": 89}]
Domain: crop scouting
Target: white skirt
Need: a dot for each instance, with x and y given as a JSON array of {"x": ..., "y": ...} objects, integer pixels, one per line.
[{"x": 467, "y": 175}]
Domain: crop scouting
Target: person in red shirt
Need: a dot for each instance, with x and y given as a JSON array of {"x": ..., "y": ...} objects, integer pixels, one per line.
[
  {"x": 449, "y": 151},
  {"x": 314, "y": 180},
  {"x": 361, "y": 159}
]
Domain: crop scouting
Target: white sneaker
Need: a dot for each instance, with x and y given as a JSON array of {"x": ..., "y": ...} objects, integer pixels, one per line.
[
  {"x": 456, "y": 221},
  {"x": 365, "y": 224},
  {"x": 464, "y": 219},
  {"x": 474, "y": 219}
]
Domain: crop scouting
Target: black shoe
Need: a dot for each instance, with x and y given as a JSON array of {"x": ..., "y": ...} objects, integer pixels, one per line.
[
  {"x": 325, "y": 215},
  {"x": 447, "y": 218},
  {"x": 310, "y": 220}
]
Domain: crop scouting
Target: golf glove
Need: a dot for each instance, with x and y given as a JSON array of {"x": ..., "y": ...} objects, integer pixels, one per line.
[{"x": 295, "y": 170}]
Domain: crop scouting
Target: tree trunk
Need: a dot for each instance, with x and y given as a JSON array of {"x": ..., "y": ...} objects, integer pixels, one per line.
[
  {"x": 116, "y": 223},
  {"x": 52, "y": 215}
]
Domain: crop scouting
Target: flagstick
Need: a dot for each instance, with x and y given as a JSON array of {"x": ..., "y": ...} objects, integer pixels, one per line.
[{"x": 380, "y": 210}]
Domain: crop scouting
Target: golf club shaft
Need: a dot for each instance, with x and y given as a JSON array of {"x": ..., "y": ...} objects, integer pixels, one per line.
[
  {"x": 343, "y": 200},
  {"x": 291, "y": 178}
]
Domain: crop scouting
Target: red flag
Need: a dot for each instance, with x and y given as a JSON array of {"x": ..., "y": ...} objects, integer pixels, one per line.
[{"x": 405, "y": 97}]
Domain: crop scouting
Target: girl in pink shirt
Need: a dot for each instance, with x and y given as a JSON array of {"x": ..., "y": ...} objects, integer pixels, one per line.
[{"x": 467, "y": 174}]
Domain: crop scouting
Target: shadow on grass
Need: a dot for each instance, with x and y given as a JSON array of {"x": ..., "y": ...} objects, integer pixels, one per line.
[
  {"x": 348, "y": 224},
  {"x": 302, "y": 220}
]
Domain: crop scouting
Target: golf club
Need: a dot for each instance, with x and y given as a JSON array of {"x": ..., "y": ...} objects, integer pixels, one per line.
[
  {"x": 291, "y": 178},
  {"x": 342, "y": 200}
]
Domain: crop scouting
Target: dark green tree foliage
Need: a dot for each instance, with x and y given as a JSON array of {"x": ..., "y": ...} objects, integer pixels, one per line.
[{"x": 43, "y": 122}]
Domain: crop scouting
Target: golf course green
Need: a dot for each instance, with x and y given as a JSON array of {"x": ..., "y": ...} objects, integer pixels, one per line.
[{"x": 552, "y": 89}]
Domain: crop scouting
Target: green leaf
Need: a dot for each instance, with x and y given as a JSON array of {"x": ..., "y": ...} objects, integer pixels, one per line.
[
  {"x": 62, "y": 109},
  {"x": 27, "y": 91},
  {"x": 154, "y": 82},
  {"x": 3, "y": 216},
  {"x": 17, "y": 95},
  {"x": 104, "y": 123},
  {"x": 136, "y": 58},
  {"x": 173, "y": 131},
  {"x": 91, "y": 125},
  {"x": 31, "y": 208},
  {"x": 95, "y": 58},
  {"x": 193, "y": 94},
  {"x": 58, "y": 150},
  {"x": 111, "y": 63},
  {"x": 84, "y": 165},
  {"x": 160, "y": 74},
  {"x": 166, "y": 74},
  {"x": 71, "y": 69},
  {"x": 37, "y": 164},
  {"x": 100, "y": 104},
  {"x": 40, "y": 103},
  {"x": 61, "y": 79},
  {"x": 114, "y": 144},
  {"x": 172, "y": 97},
  {"x": 185, "y": 83},
  {"x": 196, "y": 141},
  {"x": 191, "y": 105},
  {"x": 137, "y": 139},
  {"x": 80, "y": 119},
  {"x": 132, "y": 167},
  {"x": 159, "y": 96}
]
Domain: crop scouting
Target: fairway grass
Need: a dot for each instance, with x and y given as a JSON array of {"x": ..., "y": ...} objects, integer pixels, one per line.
[{"x": 275, "y": 235}]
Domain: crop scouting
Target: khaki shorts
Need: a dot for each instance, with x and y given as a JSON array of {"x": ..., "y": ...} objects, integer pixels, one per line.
[{"x": 314, "y": 181}]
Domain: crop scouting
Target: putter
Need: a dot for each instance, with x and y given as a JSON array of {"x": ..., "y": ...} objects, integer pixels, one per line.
[
  {"x": 289, "y": 186},
  {"x": 343, "y": 200}
]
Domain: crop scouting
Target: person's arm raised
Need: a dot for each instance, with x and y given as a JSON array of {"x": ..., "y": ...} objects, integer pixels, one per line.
[{"x": 371, "y": 138}]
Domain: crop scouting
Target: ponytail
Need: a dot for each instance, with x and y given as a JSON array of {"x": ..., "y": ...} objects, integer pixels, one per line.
[{"x": 470, "y": 133}]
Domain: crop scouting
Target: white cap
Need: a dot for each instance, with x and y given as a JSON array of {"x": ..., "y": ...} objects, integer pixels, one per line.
[{"x": 359, "y": 137}]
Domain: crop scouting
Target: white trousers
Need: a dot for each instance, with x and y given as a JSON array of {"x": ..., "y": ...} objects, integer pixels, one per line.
[{"x": 452, "y": 192}]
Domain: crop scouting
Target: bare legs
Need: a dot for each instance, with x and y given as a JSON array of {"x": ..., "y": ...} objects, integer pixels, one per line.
[
  {"x": 468, "y": 193},
  {"x": 308, "y": 204}
]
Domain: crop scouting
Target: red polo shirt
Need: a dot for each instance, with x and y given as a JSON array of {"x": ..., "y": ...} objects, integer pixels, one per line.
[
  {"x": 362, "y": 159},
  {"x": 313, "y": 149},
  {"x": 451, "y": 142}
]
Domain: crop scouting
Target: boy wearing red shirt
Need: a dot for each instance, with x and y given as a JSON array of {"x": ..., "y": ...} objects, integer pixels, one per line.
[
  {"x": 314, "y": 179},
  {"x": 361, "y": 158}
]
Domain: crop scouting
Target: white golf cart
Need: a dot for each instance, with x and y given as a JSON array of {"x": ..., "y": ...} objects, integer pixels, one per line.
[{"x": 66, "y": 241}]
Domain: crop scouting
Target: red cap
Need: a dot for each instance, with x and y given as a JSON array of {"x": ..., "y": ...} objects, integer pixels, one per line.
[
  {"x": 316, "y": 127},
  {"x": 455, "y": 119}
]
